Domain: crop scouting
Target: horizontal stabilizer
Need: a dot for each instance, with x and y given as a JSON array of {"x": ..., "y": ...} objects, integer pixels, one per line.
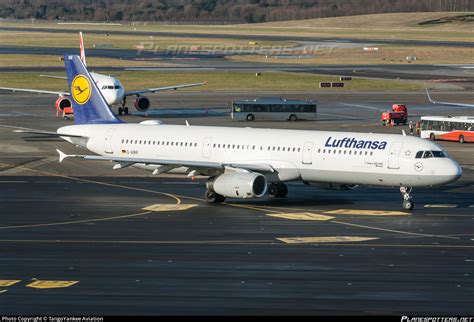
[{"x": 18, "y": 129}]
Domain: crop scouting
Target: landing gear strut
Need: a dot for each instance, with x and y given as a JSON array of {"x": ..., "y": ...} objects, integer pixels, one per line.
[
  {"x": 278, "y": 190},
  {"x": 407, "y": 203},
  {"x": 212, "y": 197},
  {"x": 123, "y": 110}
]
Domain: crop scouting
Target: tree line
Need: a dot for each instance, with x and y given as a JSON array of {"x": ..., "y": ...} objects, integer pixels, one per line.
[{"x": 214, "y": 11}]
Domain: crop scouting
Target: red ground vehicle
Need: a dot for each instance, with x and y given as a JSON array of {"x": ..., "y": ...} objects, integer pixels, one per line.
[{"x": 398, "y": 114}]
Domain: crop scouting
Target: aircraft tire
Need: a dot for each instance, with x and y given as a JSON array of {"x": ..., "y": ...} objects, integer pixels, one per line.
[
  {"x": 408, "y": 205},
  {"x": 212, "y": 197}
]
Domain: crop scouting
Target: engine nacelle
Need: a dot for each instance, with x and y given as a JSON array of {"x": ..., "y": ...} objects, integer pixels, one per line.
[
  {"x": 142, "y": 104},
  {"x": 62, "y": 103},
  {"x": 238, "y": 185},
  {"x": 333, "y": 186}
]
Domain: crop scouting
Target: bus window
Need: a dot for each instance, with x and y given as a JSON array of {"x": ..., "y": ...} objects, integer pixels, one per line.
[
  {"x": 276, "y": 108},
  {"x": 309, "y": 108}
]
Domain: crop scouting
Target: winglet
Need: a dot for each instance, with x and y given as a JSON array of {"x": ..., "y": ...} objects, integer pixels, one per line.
[
  {"x": 187, "y": 123},
  {"x": 429, "y": 97},
  {"x": 62, "y": 155}
]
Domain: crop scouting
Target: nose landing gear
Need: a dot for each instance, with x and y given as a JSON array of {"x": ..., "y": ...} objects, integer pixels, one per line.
[{"x": 406, "y": 194}]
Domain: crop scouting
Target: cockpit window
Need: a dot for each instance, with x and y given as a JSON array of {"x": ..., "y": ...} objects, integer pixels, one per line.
[
  {"x": 430, "y": 154},
  {"x": 439, "y": 154},
  {"x": 117, "y": 87}
]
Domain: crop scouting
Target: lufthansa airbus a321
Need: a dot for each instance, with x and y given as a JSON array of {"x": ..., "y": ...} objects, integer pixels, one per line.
[{"x": 246, "y": 162}]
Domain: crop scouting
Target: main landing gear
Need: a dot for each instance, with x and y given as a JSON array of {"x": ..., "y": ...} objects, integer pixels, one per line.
[
  {"x": 123, "y": 111},
  {"x": 212, "y": 197},
  {"x": 277, "y": 190},
  {"x": 407, "y": 203}
]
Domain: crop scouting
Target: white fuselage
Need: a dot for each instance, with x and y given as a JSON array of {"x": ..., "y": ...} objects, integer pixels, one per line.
[
  {"x": 110, "y": 87},
  {"x": 296, "y": 155}
]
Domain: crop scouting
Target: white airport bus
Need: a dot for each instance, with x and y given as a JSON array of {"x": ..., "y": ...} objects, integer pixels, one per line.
[
  {"x": 448, "y": 128},
  {"x": 274, "y": 108}
]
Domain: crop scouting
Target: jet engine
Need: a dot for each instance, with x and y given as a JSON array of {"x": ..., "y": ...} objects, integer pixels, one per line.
[
  {"x": 333, "y": 186},
  {"x": 142, "y": 104},
  {"x": 238, "y": 185},
  {"x": 62, "y": 103}
]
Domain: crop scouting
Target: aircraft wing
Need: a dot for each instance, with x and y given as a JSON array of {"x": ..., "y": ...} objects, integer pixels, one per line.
[
  {"x": 160, "y": 89},
  {"x": 55, "y": 77},
  {"x": 446, "y": 103},
  {"x": 172, "y": 163},
  {"x": 40, "y": 91}
]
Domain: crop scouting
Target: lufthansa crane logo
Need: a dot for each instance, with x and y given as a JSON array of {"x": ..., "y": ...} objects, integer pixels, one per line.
[{"x": 81, "y": 89}]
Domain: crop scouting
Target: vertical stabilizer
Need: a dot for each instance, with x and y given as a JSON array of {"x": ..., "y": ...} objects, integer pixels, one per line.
[
  {"x": 81, "y": 46},
  {"x": 88, "y": 103}
]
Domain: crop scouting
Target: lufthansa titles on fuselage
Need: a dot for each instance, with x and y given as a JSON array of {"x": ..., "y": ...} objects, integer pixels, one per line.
[{"x": 353, "y": 143}]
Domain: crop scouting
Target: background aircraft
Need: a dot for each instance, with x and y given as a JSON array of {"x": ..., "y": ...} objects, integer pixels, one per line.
[
  {"x": 111, "y": 88},
  {"x": 447, "y": 103}
]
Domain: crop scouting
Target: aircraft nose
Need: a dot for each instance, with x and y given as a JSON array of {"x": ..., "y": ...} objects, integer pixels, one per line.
[{"x": 453, "y": 171}]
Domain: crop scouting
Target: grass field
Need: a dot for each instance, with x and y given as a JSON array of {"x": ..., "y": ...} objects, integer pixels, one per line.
[
  {"x": 385, "y": 55},
  {"x": 217, "y": 81},
  {"x": 378, "y": 26},
  {"x": 8, "y": 60},
  {"x": 67, "y": 40}
]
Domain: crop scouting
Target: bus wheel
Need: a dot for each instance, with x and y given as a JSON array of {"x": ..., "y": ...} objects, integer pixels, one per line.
[
  {"x": 461, "y": 139},
  {"x": 293, "y": 117},
  {"x": 250, "y": 117},
  {"x": 432, "y": 137}
]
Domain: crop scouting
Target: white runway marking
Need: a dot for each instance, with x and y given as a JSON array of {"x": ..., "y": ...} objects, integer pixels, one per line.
[
  {"x": 364, "y": 106},
  {"x": 337, "y": 115}
]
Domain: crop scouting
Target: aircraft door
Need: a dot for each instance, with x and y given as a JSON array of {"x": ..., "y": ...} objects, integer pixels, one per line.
[
  {"x": 108, "y": 141},
  {"x": 394, "y": 155},
  {"x": 307, "y": 151},
  {"x": 206, "y": 148}
]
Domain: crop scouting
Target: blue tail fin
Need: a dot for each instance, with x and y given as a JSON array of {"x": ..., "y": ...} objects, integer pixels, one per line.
[{"x": 88, "y": 103}]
